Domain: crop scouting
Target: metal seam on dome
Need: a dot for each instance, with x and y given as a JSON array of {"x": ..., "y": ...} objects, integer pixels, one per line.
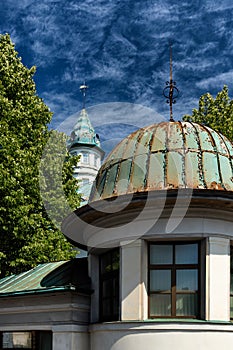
[
  {"x": 200, "y": 157},
  {"x": 139, "y": 137},
  {"x": 110, "y": 165},
  {"x": 119, "y": 165},
  {"x": 229, "y": 154},
  {"x": 149, "y": 155},
  {"x": 165, "y": 162},
  {"x": 114, "y": 150},
  {"x": 183, "y": 155},
  {"x": 100, "y": 177},
  {"x": 217, "y": 155}
]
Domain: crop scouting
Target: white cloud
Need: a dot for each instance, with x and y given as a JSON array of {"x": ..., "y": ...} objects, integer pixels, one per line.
[
  {"x": 216, "y": 5},
  {"x": 217, "y": 81}
]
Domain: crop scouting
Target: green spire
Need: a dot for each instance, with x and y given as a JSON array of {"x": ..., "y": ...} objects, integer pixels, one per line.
[{"x": 83, "y": 132}]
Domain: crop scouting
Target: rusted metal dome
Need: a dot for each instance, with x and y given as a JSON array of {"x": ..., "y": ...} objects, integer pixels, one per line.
[{"x": 168, "y": 155}]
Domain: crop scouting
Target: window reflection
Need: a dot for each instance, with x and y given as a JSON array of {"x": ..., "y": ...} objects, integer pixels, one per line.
[
  {"x": 186, "y": 254},
  {"x": 12, "y": 340},
  {"x": 187, "y": 280},
  {"x": 161, "y": 254},
  {"x": 160, "y": 280}
]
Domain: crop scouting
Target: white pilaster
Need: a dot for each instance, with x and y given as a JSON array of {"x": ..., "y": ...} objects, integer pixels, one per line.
[
  {"x": 133, "y": 291},
  {"x": 218, "y": 279}
]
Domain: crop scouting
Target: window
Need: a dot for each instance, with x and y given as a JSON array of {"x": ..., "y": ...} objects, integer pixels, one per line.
[
  {"x": 33, "y": 340},
  {"x": 85, "y": 182},
  {"x": 96, "y": 160},
  {"x": 231, "y": 289},
  {"x": 174, "y": 280},
  {"x": 109, "y": 286},
  {"x": 85, "y": 158},
  {"x": 14, "y": 340}
]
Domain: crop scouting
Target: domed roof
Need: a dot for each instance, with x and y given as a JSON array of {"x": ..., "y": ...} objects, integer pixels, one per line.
[{"x": 168, "y": 155}]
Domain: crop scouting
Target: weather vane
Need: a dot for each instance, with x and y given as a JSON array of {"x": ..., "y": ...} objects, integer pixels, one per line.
[
  {"x": 170, "y": 91},
  {"x": 83, "y": 89}
]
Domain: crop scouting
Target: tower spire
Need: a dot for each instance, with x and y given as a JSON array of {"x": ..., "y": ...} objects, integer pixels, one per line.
[
  {"x": 83, "y": 89},
  {"x": 170, "y": 91}
]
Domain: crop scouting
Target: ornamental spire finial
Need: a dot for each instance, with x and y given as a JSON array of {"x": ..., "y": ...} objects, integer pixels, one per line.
[
  {"x": 171, "y": 86},
  {"x": 83, "y": 89}
]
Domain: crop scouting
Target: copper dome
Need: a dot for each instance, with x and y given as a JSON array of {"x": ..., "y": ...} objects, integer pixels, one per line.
[{"x": 168, "y": 155}]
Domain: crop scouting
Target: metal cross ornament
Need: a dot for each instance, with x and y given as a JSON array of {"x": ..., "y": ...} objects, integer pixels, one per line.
[{"x": 170, "y": 91}]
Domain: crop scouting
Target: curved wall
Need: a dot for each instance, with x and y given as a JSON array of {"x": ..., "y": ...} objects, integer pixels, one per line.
[{"x": 161, "y": 336}]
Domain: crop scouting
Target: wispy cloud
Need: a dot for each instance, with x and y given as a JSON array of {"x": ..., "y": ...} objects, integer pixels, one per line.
[
  {"x": 217, "y": 82},
  {"x": 121, "y": 49}
]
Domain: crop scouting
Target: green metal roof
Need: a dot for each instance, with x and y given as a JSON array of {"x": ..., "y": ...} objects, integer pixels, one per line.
[
  {"x": 61, "y": 275},
  {"x": 83, "y": 132},
  {"x": 164, "y": 156}
]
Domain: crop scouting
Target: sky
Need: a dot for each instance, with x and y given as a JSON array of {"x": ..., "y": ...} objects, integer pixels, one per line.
[{"x": 121, "y": 49}]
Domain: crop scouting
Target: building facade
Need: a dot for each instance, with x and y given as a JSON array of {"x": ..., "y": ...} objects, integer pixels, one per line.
[{"x": 158, "y": 230}]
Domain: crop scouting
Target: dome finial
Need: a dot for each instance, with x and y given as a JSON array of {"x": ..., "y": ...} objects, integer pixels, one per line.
[
  {"x": 171, "y": 86},
  {"x": 83, "y": 89}
]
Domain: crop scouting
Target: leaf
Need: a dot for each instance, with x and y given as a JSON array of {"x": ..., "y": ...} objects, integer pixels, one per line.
[{"x": 27, "y": 235}]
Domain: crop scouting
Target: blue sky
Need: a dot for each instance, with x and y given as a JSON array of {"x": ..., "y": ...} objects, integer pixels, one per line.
[{"x": 121, "y": 49}]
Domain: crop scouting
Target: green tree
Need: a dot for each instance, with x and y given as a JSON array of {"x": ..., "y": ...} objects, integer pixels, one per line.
[
  {"x": 27, "y": 234},
  {"x": 216, "y": 113}
]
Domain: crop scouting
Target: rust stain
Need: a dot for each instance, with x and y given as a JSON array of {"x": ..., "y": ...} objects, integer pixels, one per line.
[{"x": 215, "y": 186}]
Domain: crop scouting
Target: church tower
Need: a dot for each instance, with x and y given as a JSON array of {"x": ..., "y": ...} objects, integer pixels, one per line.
[{"x": 85, "y": 142}]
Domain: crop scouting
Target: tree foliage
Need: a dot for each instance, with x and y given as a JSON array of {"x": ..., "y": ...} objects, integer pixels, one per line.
[
  {"x": 27, "y": 235},
  {"x": 216, "y": 113}
]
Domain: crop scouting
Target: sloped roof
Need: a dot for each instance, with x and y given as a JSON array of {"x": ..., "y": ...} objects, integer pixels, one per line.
[{"x": 55, "y": 276}]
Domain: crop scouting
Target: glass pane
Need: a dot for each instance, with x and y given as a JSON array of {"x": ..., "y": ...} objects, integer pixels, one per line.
[
  {"x": 107, "y": 286},
  {"x": 115, "y": 306},
  {"x": 231, "y": 307},
  {"x": 160, "y": 280},
  {"x": 45, "y": 340},
  {"x": 231, "y": 286},
  {"x": 85, "y": 158},
  {"x": 231, "y": 255},
  {"x": 186, "y": 254},
  {"x": 115, "y": 287},
  {"x": 161, "y": 254},
  {"x": 106, "y": 307},
  {"x": 17, "y": 340},
  {"x": 115, "y": 260},
  {"x": 186, "y": 280},
  {"x": 106, "y": 263},
  {"x": 186, "y": 305},
  {"x": 160, "y": 305}
]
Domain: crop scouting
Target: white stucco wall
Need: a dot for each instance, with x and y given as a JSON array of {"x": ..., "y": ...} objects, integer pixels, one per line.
[
  {"x": 87, "y": 170},
  {"x": 167, "y": 336},
  {"x": 71, "y": 337}
]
